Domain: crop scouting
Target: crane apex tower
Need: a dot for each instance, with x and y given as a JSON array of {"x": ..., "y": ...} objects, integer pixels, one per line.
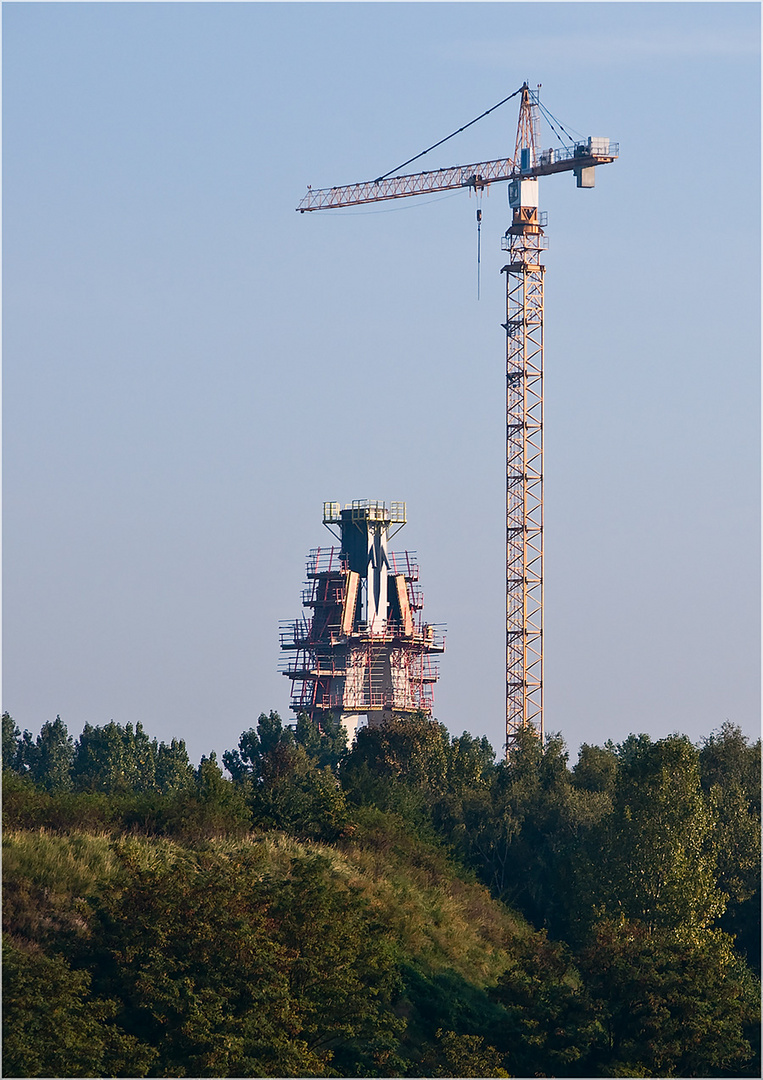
[{"x": 362, "y": 650}]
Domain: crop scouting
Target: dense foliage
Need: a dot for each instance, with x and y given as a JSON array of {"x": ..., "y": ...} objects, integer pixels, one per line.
[{"x": 403, "y": 907}]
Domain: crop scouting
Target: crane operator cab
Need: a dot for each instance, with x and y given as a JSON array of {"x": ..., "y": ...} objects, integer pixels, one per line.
[{"x": 523, "y": 193}]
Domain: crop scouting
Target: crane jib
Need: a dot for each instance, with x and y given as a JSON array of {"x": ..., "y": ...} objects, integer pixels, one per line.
[{"x": 478, "y": 175}]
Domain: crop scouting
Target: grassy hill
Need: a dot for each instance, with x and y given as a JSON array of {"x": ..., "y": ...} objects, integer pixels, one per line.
[
  {"x": 409, "y": 908},
  {"x": 441, "y": 941}
]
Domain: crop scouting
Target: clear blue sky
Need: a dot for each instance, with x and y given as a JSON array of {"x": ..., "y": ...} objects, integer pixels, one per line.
[{"x": 191, "y": 368}]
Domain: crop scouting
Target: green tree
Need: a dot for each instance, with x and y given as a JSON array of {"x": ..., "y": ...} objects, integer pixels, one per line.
[
  {"x": 549, "y": 1028},
  {"x": 26, "y": 754},
  {"x": 727, "y": 758},
  {"x": 278, "y": 773},
  {"x": 413, "y": 750},
  {"x": 507, "y": 856},
  {"x": 114, "y": 759},
  {"x": 411, "y": 767},
  {"x": 174, "y": 771},
  {"x": 53, "y": 1027},
  {"x": 462, "y": 1056},
  {"x": 527, "y": 841},
  {"x": 189, "y": 953},
  {"x": 653, "y": 855},
  {"x": 306, "y": 802},
  {"x": 11, "y": 738},
  {"x": 214, "y": 806},
  {"x": 263, "y": 754},
  {"x": 230, "y": 970},
  {"x": 470, "y": 763},
  {"x": 730, "y": 773},
  {"x": 323, "y": 739},
  {"x": 669, "y": 1004},
  {"x": 343, "y": 976},
  {"x": 596, "y": 768},
  {"x": 51, "y": 765}
]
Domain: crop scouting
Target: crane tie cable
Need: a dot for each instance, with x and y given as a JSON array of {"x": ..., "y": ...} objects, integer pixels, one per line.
[
  {"x": 379, "y": 179},
  {"x": 551, "y": 118}
]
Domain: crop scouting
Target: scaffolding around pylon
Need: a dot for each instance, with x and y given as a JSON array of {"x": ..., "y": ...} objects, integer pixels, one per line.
[{"x": 362, "y": 649}]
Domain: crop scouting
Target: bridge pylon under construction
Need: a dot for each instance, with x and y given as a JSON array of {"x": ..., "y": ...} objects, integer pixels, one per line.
[{"x": 362, "y": 650}]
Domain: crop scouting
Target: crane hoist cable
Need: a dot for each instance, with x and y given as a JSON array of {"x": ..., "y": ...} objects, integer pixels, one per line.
[{"x": 479, "y": 232}]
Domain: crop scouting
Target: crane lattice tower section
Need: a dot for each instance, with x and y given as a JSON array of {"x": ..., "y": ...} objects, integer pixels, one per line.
[
  {"x": 524, "y": 240},
  {"x": 362, "y": 651}
]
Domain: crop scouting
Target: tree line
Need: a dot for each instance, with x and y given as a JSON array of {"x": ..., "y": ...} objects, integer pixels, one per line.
[{"x": 626, "y": 889}]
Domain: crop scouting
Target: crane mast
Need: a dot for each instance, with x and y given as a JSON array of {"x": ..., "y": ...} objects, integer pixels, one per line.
[
  {"x": 524, "y": 241},
  {"x": 524, "y": 271}
]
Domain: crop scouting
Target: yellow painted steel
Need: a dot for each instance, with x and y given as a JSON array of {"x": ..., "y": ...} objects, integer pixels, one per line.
[{"x": 350, "y": 601}]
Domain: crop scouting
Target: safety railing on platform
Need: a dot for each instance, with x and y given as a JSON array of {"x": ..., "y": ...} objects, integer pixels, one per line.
[
  {"x": 404, "y": 562},
  {"x": 326, "y": 561},
  {"x": 326, "y": 589}
]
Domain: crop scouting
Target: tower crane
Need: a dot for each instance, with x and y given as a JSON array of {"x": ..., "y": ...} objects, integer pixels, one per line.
[{"x": 524, "y": 241}]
